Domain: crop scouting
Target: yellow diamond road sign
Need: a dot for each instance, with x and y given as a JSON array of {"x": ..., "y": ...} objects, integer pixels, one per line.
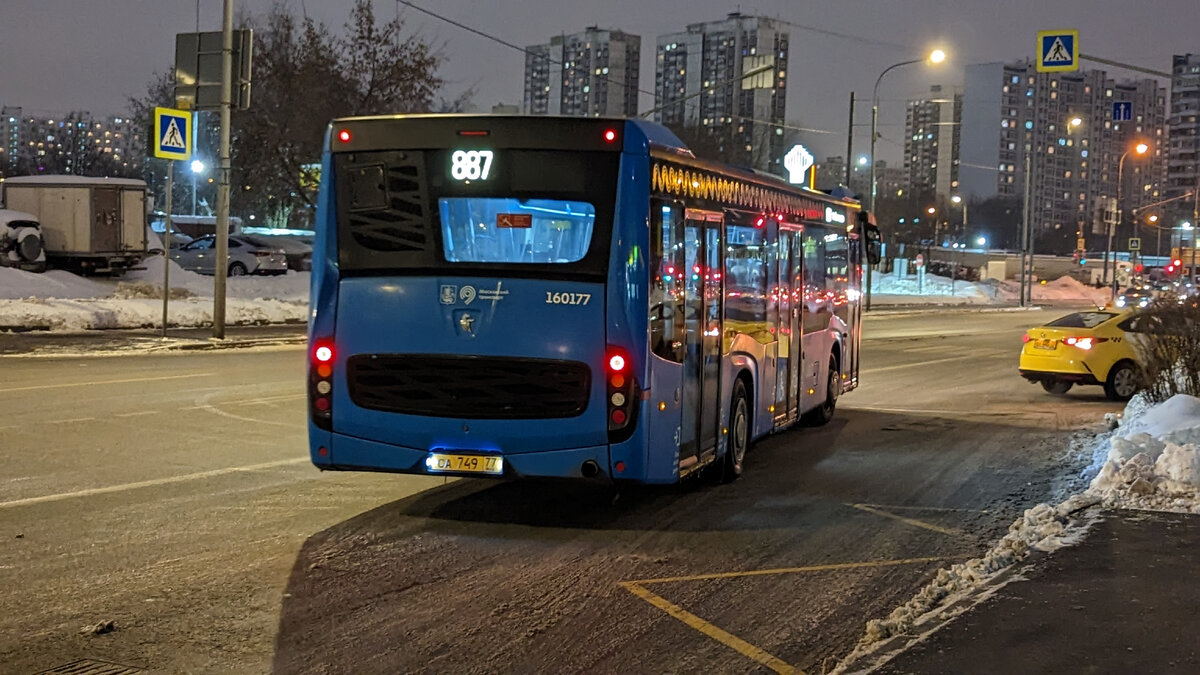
[
  {"x": 172, "y": 133},
  {"x": 1058, "y": 50}
]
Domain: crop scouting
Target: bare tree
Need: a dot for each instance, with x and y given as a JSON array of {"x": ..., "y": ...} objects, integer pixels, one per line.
[{"x": 305, "y": 76}]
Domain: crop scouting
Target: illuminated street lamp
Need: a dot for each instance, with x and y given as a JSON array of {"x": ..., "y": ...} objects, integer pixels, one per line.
[
  {"x": 935, "y": 57},
  {"x": 197, "y": 169},
  {"x": 1139, "y": 149}
]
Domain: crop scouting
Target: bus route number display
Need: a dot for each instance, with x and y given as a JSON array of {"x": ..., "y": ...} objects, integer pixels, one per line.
[{"x": 467, "y": 165}]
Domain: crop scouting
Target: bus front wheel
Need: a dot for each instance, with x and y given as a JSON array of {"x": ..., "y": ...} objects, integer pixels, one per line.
[{"x": 739, "y": 433}]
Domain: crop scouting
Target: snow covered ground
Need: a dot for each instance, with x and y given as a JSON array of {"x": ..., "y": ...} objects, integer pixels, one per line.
[
  {"x": 61, "y": 301},
  {"x": 934, "y": 290},
  {"x": 1150, "y": 461}
]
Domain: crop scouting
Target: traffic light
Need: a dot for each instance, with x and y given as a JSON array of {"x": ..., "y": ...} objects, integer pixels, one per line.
[
  {"x": 1138, "y": 268},
  {"x": 1082, "y": 261}
]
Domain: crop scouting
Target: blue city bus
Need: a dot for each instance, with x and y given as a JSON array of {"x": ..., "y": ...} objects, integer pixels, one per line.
[{"x": 568, "y": 297}]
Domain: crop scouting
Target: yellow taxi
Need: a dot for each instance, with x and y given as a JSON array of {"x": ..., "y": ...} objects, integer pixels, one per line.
[{"x": 1089, "y": 347}]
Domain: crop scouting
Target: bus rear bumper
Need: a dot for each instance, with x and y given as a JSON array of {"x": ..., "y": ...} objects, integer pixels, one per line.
[{"x": 348, "y": 453}]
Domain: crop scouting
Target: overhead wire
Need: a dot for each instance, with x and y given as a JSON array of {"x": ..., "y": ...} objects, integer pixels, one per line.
[{"x": 523, "y": 50}]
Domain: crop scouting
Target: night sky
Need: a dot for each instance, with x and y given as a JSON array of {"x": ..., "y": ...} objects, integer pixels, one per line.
[{"x": 59, "y": 55}]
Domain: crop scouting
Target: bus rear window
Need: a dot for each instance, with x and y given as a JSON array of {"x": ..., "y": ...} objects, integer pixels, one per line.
[
  {"x": 524, "y": 211},
  {"x": 521, "y": 231}
]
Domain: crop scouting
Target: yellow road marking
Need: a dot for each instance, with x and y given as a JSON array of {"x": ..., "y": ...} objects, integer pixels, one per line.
[
  {"x": 724, "y": 637},
  {"x": 909, "y": 521},
  {"x": 729, "y": 639},
  {"x": 789, "y": 570}
]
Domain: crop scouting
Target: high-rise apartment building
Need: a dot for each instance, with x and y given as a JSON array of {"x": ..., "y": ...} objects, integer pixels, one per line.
[
  {"x": 1183, "y": 157},
  {"x": 10, "y": 139},
  {"x": 589, "y": 74},
  {"x": 1064, "y": 122},
  {"x": 890, "y": 180},
  {"x": 70, "y": 143},
  {"x": 931, "y": 143},
  {"x": 704, "y": 68}
]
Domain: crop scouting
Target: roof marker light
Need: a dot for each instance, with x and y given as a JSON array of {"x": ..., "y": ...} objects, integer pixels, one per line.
[
  {"x": 344, "y": 135},
  {"x": 610, "y": 135}
]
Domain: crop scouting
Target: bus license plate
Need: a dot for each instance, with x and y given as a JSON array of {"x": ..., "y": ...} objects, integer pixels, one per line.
[
  {"x": 1045, "y": 343},
  {"x": 439, "y": 462}
]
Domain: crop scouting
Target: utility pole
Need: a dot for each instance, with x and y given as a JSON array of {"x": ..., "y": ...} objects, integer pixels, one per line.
[
  {"x": 1025, "y": 216},
  {"x": 222, "y": 263},
  {"x": 850, "y": 144}
]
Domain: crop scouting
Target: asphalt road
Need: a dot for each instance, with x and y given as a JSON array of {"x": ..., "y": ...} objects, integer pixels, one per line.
[{"x": 171, "y": 494}]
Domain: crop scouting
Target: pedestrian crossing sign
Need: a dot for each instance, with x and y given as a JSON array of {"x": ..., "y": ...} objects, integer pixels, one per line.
[
  {"x": 172, "y": 134},
  {"x": 1058, "y": 50}
]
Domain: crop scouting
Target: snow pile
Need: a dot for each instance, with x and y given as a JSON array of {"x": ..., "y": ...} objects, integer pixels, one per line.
[
  {"x": 1042, "y": 528},
  {"x": 1070, "y": 289},
  {"x": 1153, "y": 458},
  {"x": 932, "y": 289},
  {"x": 15, "y": 283},
  {"x": 61, "y": 301}
]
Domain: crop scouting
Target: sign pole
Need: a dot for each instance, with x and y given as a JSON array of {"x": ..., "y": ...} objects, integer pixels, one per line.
[
  {"x": 167, "y": 245},
  {"x": 222, "y": 264}
]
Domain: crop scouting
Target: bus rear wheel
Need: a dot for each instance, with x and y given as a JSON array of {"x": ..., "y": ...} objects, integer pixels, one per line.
[
  {"x": 822, "y": 414},
  {"x": 739, "y": 434}
]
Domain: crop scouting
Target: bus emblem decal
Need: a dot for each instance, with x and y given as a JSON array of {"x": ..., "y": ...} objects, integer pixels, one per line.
[
  {"x": 467, "y": 294},
  {"x": 447, "y": 294},
  {"x": 467, "y": 323}
]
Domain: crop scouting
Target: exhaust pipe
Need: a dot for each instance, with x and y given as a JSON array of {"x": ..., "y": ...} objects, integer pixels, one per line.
[{"x": 590, "y": 469}]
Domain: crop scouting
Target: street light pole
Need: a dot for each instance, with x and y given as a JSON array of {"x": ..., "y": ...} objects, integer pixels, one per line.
[{"x": 936, "y": 56}]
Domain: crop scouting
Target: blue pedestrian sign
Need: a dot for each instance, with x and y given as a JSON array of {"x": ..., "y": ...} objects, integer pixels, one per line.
[
  {"x": 1058, "y": 50},
  {"x": 1122, "y": 111},
  {"x": 172, "y": 134}
]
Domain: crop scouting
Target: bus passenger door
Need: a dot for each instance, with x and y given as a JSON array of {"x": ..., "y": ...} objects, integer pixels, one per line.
[
  {"x": 781, "y": 289},
  {"x": 702, "y": 311},
  {"x": 796, "y": 287}
]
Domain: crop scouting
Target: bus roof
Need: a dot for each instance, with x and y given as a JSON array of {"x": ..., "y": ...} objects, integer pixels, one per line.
[{"x": 543, "y": 131}]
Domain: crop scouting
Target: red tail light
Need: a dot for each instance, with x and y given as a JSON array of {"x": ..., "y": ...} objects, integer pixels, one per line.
[
  {"x": 1084, "y": 343},
  {"x": 1026, "y": 338},
  {"x": 320, "y": 384},
  {"x": 622, "y": 395}
]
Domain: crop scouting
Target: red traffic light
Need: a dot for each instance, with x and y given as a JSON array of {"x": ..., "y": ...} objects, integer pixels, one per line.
[{"x": 1138, "y": 268}]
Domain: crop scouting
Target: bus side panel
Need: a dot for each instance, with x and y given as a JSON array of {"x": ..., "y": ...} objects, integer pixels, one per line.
[
  {"x": 323, "y": 291},
  {"x": 627, "y": 309},
  {"x": 662, "y": 426}
]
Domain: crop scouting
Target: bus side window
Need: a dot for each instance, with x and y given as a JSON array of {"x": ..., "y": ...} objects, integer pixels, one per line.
[{"x": 666, "y": 289}]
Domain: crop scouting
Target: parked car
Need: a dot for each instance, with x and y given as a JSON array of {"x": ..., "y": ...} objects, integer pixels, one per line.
[
  {"x": 247, "y": 255},
  {"x": 21, "y": 244},
  {"x": 298, "y": 252}
]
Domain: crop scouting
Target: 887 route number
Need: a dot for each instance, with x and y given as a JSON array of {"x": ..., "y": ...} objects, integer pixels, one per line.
[{"x": 567, "y": 298}]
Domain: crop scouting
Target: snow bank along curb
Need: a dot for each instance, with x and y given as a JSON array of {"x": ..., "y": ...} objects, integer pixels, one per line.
[
  {"x": 1153, "y": 458},
  {"x": 956, "y": 589},
  {"x": 60, "y": 301},
  {"x": 1151, "y": 461}
]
